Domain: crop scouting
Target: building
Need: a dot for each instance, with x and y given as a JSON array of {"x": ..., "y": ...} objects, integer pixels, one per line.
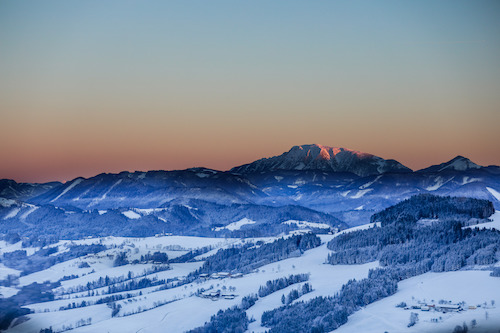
[{"x": 448, "y": 307}]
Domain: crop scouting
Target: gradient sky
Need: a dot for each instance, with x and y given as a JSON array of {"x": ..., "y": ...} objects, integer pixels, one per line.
[{"x": 104, "y": 86}]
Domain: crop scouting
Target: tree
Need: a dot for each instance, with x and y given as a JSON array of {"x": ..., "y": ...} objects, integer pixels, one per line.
[
  {"x": 413, "y": 319},
  {"x": 120, "y": 259}
]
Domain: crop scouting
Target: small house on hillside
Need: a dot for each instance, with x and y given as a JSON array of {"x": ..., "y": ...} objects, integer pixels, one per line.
[{"x": 448, "y": 307}]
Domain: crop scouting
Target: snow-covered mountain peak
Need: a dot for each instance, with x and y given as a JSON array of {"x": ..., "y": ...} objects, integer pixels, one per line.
[
  {"x": 461, "y": 163},
  {"x": 324, "y": 158},
  {"x": 316, "y": 151},
  {"x": 458, "y": 163}
]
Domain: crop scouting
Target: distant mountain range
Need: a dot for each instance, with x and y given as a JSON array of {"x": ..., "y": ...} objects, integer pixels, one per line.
[{"x": 310, "y": 183}]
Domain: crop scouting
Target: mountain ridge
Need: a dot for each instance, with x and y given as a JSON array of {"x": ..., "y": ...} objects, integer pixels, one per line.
[
  {"x": 321, "y": 154},
  {"x": 458, "y": 163},
  {"x": 347, "y": 195},
  {"x": 324, "y": 158}
]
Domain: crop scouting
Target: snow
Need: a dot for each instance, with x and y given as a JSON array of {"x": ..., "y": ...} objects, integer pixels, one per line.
[
  {"x": 190, "y": 208},
  {"x": 6, "y": 202},
  {"x": 182, "y": 310},
  {"x": 236, "y": 225},
  {"x": 12, "y": 213},
  {"x": 362, "y": 187},
  {"x": 439, "y": 181},
  {"x": 278, "y": 178},
  {"x": 359, "y": 227},
  {"x": 361, "y": 193},
  {"x": 292, "y": 186},
  {"x": 202, "y": 175},
  {"x": 59, "y": 318},
  {"x": 28, "y": 212},
  {"x": 147, "y": 211},
  {"x": 96, "y": 200},
  {"x": 131, "y": 214},
  {"x": 5, "y": 248},
  {"x": 6, "y": 292},
  {"x": 76, "y": 182},
  {"x": 325, "y": 279},
  {"x": 5, "y": 271},
  {"x": 101, "y": 212},
  {"x": 344, "y": 194},
  {"x": 468, "y": 180},
  {"x": 305, "y": 224},
  {"x": 472, "y": 287},
  {"x": 495, "y": 223},
  {"x": 300, "y": 166},
  {"x": 494, "y": 192},
  {"x": 460, "y": 164},
  {"x": 359, "y": 208},
  {"x": 427, "y": 221},
  {"x": 186, "y": 311}
]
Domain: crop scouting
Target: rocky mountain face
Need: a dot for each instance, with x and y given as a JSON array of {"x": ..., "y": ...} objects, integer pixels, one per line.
[{"x": 323, "y": 158}]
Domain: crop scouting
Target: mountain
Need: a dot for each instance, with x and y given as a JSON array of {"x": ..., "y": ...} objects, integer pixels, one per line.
[
  {"x": 324, "y": 158},
  {"x": 10, "y": 189},
  {"x": 150, "y": 189},
  {"x": 459, "y": 163},
  {"x": 328, "y": 184}
]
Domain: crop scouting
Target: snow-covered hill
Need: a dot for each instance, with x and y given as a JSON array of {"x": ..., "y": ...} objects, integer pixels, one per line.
[{"x": 178, "y": 309}]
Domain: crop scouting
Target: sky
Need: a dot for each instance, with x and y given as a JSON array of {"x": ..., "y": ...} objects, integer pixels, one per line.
[{"x": 105, "y": 86}]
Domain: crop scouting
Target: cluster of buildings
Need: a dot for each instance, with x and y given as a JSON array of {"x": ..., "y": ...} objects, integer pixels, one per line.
[
  {"x": 436, "y": 307},
  {"x": 216, "y": 295},
  {"x": 220, "y": 275}
]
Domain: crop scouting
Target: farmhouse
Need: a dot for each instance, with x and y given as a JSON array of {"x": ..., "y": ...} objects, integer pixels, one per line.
[{"x": 448, "y": 307}]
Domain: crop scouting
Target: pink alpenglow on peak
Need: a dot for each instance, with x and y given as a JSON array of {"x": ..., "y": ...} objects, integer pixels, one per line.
[{"x": 324, "y": 158}]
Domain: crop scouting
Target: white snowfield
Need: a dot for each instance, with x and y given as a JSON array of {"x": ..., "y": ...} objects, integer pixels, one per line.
[
  {"x": 152, "y": 310},
  {"x": 494, "y": 192},
  {"x": 131, "y": 214},
  {"x": 439, "y": 182},
  {"x": 472, "y": 287},
  {"x": 67, "y": 189},
  {"x": 236, "y": 225},
  {"x": 305, "y": 224}
]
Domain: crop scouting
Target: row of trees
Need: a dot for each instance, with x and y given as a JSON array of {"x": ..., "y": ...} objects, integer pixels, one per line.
[
  {"x": 323, "y": 314},
  {"x": 296, "y": 294},
  {"x": 281, "y": 283},
  {"x": 249, "y": 256},
  {"x": 235, "y": 319},
  {"x": 232, "y": 320}
]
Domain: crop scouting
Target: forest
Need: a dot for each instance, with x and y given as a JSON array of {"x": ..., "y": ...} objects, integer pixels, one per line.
[
  {"x": 248, "y": 257},
  {"x": 404, "y": 248}
]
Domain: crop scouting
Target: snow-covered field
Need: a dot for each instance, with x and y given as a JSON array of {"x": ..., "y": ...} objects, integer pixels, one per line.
[
  {"x": 178, "y": 309},
  {"x": 472, "y": 287}
]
